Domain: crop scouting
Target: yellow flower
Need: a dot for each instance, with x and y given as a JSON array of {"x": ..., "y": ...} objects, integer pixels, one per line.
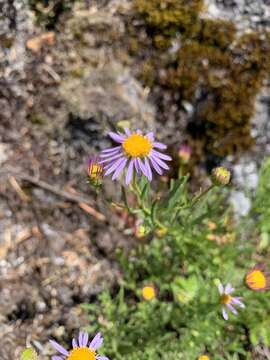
[
  {"x": 137, "y": 145},
  {"x": 203, "y": 357},
  {"x": 257, "y": 279},
  {"x": 148, "y": 292}
]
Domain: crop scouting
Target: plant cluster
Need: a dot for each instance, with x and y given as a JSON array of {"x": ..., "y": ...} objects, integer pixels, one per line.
[
  {"x": 176, "y": 298},
  {"x": 190, "y": 288}
]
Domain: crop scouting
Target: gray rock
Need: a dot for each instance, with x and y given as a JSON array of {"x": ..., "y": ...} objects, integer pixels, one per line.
[{"x": 241, "y": 203}]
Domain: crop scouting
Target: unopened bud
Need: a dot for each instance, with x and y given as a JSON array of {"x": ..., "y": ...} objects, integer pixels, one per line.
[
  {"x": 29, "y": 354},
  {"x": 221, "y": 176},
  {"x": 184, "y": 153}
]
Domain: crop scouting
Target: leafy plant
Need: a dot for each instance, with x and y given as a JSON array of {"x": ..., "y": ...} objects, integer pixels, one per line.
[{"x": 191, "y": 246}]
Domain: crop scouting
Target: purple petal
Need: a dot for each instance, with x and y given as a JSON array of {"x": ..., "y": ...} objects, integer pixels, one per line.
[
  {"x": 130, "y": 171},
  {"x": 59, "y": 348},
  {"x": 113, "y": 149},
  {"x": 150, "y": 136},
  {"x": 220, "y": 289},
  {"x": 156, "y": 167},
  {"x": 56, "y": 357},
  {"x": 161, "y": 156},
  {"x": 137, "y": 167},
  {"x": 139, "y": 131},
  {"x": 142, "y": 167},
  {"x": 80, "y": 340},
  {"x": 113, "y": 166},
  {"x": 74, "y": 343},
  {"x": 225, "y": 314},
  {"x": 119, "y": 169},
  {"x": 111, "y": 158},
  {"x": 159, "y": 145},
  {"x": 112, "y": 153},
  {"x": 127, "y": 131},
  {"x": 228, "y": 289},
  {"x": 148, "y": 169},
  {"x": 161, "y": 163},
  {"x": 237, "y": 301},
  {"x": 231, "y": 308},
  {"x": 85, "y": 339},
  {"x": 96, "y": 342},
  {"x": 116, "y": 137},
  {"x": 99, "y": 357}
]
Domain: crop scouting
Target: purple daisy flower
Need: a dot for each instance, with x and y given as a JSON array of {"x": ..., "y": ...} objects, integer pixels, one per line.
[
  {"x": 136, "y": 152},
  {"x": 228, "y": 301},
  {"x": 82, "y": 348}
]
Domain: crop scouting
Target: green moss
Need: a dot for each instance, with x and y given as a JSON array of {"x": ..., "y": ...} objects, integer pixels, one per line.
[
  {"x": 213, "y": 69},
  {"x": 170, "y": 16}
]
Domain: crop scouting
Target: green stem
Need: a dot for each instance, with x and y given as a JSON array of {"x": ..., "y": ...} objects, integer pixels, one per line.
[{"x": 202, "y": 194}]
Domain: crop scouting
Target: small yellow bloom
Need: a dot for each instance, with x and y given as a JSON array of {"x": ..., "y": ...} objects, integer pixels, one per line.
[
  {"x": 29, "y": 354},
  {"x": 140, "y": 232},
  {"x": 203, "y": 357},
  {"x": 148, "y": 292},
  {"x": 221, "y": 176},
  {"x": 257, "y": 279}
]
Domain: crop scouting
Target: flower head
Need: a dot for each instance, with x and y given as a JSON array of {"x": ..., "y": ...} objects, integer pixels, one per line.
[
  {"x": 184, "y": 153},
  {"x": 258, "y": 279},
  {"x": 95, "y": 170},
  {"x": 135, "y": 151},
  {"x": 221, "y": 176},
  {"x": 82, "y": 349},
  {"x": 203, "y": 357},
  {"x": 228, "y": 301},
  {"x": 148, "y": 292}
]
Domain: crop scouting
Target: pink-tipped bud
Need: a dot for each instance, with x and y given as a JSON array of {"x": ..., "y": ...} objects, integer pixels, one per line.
[{"x": 184, "y": 153}]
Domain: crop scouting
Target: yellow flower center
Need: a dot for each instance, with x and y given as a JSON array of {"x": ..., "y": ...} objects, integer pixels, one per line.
[
  {"x": 82, "y": 353},
  {"x": 148, "y": 292},
  {"x": 137, "y": 145},
  {"x": 94, "y": 171},
  {"x": 256, "y": 280},
  {"x": 225, "y": 299},
  {"x": 203, "y": 357}
]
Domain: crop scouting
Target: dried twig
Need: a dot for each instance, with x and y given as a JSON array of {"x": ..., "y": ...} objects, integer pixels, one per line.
[{"x": 82, "y": 200}]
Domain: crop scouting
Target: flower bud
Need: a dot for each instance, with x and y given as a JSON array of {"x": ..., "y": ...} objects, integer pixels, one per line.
[
  {"x": 184, "y": 153},
  {"x": 95, "y": 171},
  {"x": 29, "y": 354},
  {"x": 160, "y": 233},
  {"x": 221, "y": 176}
]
